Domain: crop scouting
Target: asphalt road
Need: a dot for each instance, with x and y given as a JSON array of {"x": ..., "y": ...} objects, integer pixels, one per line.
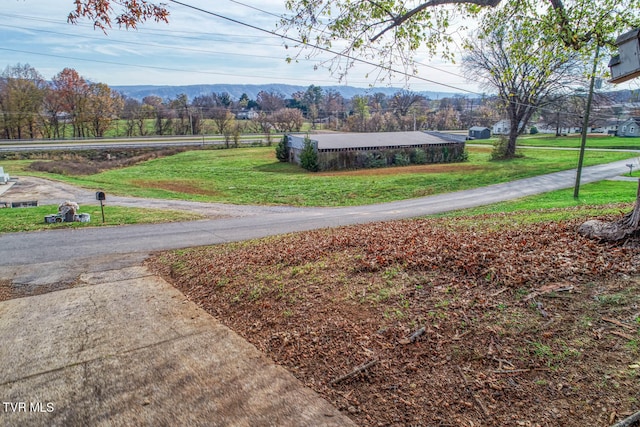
[
  {"x": 119, "y": 143},
  {"x": 25, "y": 249}
]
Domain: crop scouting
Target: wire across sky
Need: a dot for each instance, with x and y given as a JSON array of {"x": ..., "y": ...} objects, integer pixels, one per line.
[{"x": 233, "y": 45}]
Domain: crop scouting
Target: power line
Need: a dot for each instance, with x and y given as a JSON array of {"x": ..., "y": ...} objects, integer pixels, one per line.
[
  {"x": 128, "y": 42},
  {"x": 255, "y": 8},
  {"x": 145, "y": 66},
  {"x": 362, "y": 61},
  {"x": 151, "y": 31},
  {"x": 175, "y": 34}
]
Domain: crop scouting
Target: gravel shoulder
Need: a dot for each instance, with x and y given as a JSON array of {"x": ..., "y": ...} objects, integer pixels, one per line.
[{"x": 50, "y": 192}]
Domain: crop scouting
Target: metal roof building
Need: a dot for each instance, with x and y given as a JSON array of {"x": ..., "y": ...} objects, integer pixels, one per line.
[{"x": 376, "y": 149}]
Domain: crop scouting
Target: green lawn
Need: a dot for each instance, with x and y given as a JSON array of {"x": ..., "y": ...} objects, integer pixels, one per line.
[
  {"x": 573, "y": 141},
  {"x": 253, "y": 176},
  {"x": 30, "y": 219},
  {"x": 599, "y": 198}
]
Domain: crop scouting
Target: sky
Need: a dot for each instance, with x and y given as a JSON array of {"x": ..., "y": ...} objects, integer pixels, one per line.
[{"x": 196, "y": 47}]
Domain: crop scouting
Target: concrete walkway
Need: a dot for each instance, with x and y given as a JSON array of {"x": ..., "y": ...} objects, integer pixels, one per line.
[
  {"x": 6, "y": 187},
  {"x": 124, "y": 348}
]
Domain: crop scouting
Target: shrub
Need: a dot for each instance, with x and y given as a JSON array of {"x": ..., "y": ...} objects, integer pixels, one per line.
[
  {"x": 533, "y": 130},
  {"x": 375, "y": 160},
  {"x": 309, "y": 156},
  {"x": 419, "y": 157},
  {"x": 464, "y": 156},
  {"x": 401, "y": 159},
  {"x": 500, "y": 148},
  {"x": 281, "y": 150}
]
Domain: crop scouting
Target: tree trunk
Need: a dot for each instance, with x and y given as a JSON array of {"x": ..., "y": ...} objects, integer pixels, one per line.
[
  {"x": 624, "y": 228},
  {"x": 510, "y": 151}
]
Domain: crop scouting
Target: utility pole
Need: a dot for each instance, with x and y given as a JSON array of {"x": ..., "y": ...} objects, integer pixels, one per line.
[{"x": 585, "y": 123}]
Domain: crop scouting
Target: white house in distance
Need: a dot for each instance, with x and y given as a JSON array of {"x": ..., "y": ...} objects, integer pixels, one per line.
[
  {"x": 502, "y": 127},
  {"x": 630, "y": 127},
  {"x": 245, "y": 114}
]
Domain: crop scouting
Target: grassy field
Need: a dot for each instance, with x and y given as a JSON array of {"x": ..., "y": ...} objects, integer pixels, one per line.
[
  {"x": 600, "y": 141},
  {"x": 31, "y": 219},
  {"x": 600, "y": 198},
  {"x": 253, "y": 176}
]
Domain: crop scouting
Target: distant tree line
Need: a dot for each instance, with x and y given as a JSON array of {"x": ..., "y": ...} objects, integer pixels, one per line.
[
  {"x": 31, "y": 107},
  {"x": 70, "y": 106}
]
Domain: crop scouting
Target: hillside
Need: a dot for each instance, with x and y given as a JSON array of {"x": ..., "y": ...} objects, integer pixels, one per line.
[{"x": 236, "y": 90}]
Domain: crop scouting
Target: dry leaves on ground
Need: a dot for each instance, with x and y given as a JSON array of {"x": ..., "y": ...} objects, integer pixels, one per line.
[{"x": 436, "y": 322}]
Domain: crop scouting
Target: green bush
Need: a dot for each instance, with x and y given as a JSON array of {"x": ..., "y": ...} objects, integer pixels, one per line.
[
  {"x": 401, "y": 159},
  {"x": 281, "y": 150},
  {"x": 309, "y": 156},
  {"x": 533, "y": 130},
  {"x": 500, "y": 148},
  {"x": 464, "y": 157},
  {"x": 419, "y": 156},
  {"x": 375, "y": 160}
]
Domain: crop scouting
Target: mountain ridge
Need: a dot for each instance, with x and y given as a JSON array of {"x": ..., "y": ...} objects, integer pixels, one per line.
[{"x": 236, "y": 90}]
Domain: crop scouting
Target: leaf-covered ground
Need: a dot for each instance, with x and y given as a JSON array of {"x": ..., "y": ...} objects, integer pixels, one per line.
[{"x": 462, "y": 322}]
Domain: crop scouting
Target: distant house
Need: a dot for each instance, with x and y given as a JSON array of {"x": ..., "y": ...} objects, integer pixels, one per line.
[
  {"x": 365, "y": 150},
  {"x": 630, "y": 127},
  {"x": 479, "y": 132},
  {"x": 245, "y": 114},
  {"x": 502, "y": 127}
]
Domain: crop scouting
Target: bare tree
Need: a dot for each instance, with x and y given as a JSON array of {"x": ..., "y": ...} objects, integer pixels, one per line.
[
  {"x": 262, "y": 123},
  {"x": 270, "y": 101},
  {"x": 526, "y": 72},
  {"x": 403, "y": 101},
  {"x": 332, "y": 106},
  {"x": 287, "y": 120},
  {"x": 223, "y": 121},
  {"x": 161, "y": 113},
  {"x": 52, "y": 125}
]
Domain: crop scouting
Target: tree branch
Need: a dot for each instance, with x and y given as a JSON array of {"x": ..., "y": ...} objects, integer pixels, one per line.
[{"x": 401, "y": 19}]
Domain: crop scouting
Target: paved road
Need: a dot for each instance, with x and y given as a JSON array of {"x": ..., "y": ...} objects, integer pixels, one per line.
[{"x": 55, "y": 245}]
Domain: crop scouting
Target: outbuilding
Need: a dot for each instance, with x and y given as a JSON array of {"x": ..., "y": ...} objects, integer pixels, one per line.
[
  {"x": 479, "y": 132},
  {"x": 338, "y": 151}
]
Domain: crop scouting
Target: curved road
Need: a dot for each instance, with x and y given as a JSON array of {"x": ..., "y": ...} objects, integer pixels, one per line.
[{"x": 25, "y": 249}]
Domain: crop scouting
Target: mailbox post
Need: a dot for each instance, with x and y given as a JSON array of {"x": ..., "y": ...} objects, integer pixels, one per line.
[{"x": 101, "y": 196}]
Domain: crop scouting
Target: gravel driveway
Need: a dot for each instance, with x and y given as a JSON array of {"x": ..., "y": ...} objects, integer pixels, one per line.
[{"x": 48, "y": 192}]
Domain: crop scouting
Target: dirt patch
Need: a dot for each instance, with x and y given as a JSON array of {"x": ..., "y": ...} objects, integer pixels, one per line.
[
  {"x": 89, "y": 162},
  {"x": 175, "y": 186},
  {"x": 459, "y": 325},
  {"x": 6, "y": 290},
  {"x": 10, "y": 290},
  {"x": 426, "y": 169}
]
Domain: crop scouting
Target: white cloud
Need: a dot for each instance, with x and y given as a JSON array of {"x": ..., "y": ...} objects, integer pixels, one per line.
[{"x": 194, "y": 48}]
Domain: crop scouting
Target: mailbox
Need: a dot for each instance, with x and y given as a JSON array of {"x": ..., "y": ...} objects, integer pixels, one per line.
[
  {"x": 100, "y": 195},
  {"x": 626, "y": 64}
]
